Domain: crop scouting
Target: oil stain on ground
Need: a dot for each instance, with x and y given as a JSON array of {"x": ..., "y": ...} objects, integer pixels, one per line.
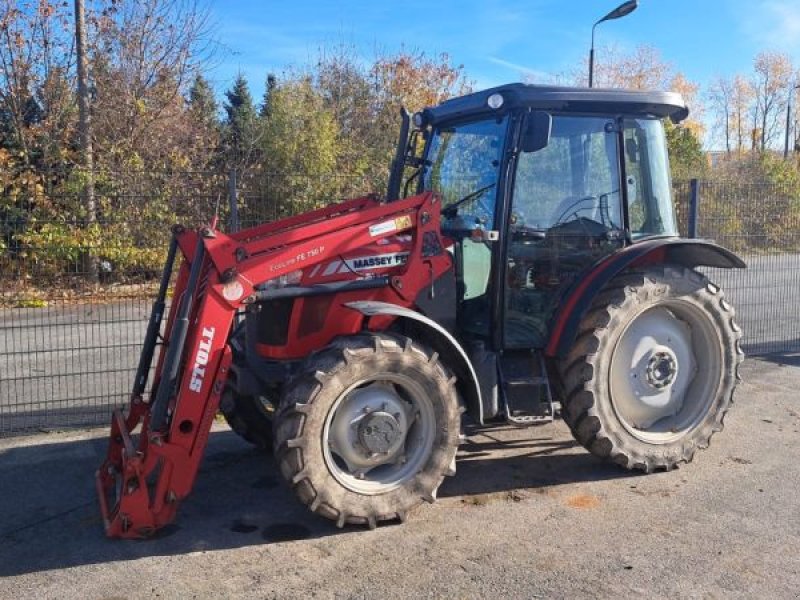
[
  {"x": 583, "y": 501},
  {"x": 243, "y": 527}
]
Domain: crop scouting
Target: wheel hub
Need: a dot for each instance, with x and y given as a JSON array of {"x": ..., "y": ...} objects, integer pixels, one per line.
[
  {"x": 370, "y": 428},
  {"x": 662, "y": 367},
  {"x": 652, "y": 367},
  {"x": 380, "y": 433}
]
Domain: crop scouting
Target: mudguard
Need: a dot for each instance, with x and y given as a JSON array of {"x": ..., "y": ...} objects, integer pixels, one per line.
[
  {"x": 577, "y": 300},
  {"x": 441, "y": 341}
]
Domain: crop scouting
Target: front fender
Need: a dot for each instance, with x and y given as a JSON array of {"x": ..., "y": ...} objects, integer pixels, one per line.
[
  {"x": 441, "y": 340},
  {"x": 578, "y": 299}
]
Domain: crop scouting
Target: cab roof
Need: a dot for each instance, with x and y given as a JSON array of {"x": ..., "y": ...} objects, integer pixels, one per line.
[{"x": 560, "y": 99}]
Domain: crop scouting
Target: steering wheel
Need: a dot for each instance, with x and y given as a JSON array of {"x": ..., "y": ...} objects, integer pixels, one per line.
[
  {"x": 521, "y": 232},
  {"x": 570, "y": 206}
]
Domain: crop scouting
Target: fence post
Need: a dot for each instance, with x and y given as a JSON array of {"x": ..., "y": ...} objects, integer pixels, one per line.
[
  {"x": 233, "y": 202},
  {"x": 694, "y": 206}
]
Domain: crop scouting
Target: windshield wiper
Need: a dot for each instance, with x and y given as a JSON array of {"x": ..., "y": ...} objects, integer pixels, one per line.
[{"x": 450, "y": 211}]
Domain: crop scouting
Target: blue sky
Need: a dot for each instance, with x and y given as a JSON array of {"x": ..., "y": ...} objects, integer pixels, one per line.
[{"x": 498, "y": 42}]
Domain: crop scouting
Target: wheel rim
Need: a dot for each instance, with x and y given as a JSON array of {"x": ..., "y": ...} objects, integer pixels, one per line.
[
  {"x": 379, "y": 433},
  {"x": 665, "y": 372}
]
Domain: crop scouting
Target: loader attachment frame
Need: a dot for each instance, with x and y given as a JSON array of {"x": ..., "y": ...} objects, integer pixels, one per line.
[{"x": 157, "y": 444}]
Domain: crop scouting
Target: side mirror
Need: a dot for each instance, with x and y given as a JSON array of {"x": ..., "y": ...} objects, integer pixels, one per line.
[
  {"x": 411, "y": 159},
  {"x": 536, "y": 131}
]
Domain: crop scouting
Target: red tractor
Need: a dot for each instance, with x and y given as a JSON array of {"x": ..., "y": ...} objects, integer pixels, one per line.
[{"x": 529, "y": 265}]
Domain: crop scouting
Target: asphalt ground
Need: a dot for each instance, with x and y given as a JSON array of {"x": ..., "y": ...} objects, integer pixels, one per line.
[{"x": 529, "y": 514}]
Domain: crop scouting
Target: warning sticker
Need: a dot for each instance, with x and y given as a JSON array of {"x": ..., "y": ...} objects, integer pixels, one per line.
[
  {"x": 383, "y": 228},
  {"x": 403, "y": 222},
  {"x": 396, "y": 224}
]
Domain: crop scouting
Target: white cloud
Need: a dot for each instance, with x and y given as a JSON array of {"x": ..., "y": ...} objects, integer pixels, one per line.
[
  {"x": 529, "y": 74},
  {"x": 772, "y": 24}
]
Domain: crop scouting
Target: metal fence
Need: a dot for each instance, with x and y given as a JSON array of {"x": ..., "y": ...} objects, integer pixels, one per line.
[
  {"x": 761, "y": 223},
  {"x": 76, "y": 292},
  {"x": 68, "y": 349}
]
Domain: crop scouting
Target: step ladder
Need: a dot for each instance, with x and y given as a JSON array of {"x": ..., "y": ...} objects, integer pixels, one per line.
[{"x": 526, "y": 395}]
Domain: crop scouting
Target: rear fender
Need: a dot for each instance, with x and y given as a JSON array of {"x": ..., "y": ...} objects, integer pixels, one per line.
[
  {"x": 573, "y": 306},
  {"x": 437, "y": 337}
]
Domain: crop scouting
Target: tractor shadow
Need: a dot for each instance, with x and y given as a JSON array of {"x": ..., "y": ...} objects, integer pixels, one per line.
[
  {"x": 49, "y": 518},
  {"x": 782, "y": 359},
  {"x": 504, "y": 458}
]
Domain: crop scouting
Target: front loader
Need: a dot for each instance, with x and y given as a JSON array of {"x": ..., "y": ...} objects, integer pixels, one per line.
[{"x": 528, "y": 266}]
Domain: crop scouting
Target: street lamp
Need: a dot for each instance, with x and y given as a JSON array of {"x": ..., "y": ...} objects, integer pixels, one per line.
[
  {"x": 788, "y": 120},
  {"x": 623, "y": 9}
]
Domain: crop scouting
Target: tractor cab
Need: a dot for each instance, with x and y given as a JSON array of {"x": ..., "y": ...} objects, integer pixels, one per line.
[{"x": 538, "y": 184}]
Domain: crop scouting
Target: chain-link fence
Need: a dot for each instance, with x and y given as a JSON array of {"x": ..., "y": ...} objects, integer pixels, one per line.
[{"x": 76, "y": 288}]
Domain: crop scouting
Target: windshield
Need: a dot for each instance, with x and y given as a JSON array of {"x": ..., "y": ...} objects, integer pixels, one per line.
[{"x": 464, "y": 167}]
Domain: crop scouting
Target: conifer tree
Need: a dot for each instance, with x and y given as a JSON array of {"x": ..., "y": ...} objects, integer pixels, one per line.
[
  {"x": 202, "y": 103},
  {"x": 266, "y": 104},
  {"x": 241, "y": 125}
]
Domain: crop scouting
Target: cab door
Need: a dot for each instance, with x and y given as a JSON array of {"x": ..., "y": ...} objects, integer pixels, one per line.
[
  {"x": 565, "y": 214},
  {"x": 464, "y": 165}
]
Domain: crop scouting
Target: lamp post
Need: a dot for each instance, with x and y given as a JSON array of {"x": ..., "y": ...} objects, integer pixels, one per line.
[
  {"x": 623, "y": 9},
  {"x": 788, "y": 120}
]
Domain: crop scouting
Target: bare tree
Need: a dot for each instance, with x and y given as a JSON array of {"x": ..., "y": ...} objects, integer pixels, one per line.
[
  {"x": 37, "y": 60},
  {"x": 771, "y": 80},
  {"x": 742, "y": 96},
  {"x": 145, "y": 55},
  {"x": 642, "y": 69},
  {"x": 720, "y": 95}
]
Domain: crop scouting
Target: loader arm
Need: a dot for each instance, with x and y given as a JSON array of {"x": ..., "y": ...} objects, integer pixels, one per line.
[{"x": 158, "y": 442}]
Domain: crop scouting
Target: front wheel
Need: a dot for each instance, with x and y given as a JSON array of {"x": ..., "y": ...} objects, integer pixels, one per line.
[
  {"x": 368, "y": 429},
  {"x": 653, "y": 369}
]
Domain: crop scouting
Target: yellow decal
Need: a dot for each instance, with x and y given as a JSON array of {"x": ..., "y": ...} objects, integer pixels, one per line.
[{"x": 403, "y": 222}]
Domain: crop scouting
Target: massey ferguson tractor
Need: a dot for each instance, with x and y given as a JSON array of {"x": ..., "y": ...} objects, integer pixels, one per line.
[{"x": 525, "y": 264}]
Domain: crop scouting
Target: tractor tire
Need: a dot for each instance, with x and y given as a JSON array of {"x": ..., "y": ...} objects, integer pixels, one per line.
[
  {"x": 653, "y": 369},
  {"x": 248, "y": 418},
  {"x": 368, "y": 429}
]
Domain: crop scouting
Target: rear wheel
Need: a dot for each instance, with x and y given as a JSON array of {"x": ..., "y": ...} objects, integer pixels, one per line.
[
  {"x": 369, "y": 429},
  {"x": 653, "y": 369}
]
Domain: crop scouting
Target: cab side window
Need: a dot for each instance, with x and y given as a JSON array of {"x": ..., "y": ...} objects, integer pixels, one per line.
[{"x": 575, "y": 176}]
